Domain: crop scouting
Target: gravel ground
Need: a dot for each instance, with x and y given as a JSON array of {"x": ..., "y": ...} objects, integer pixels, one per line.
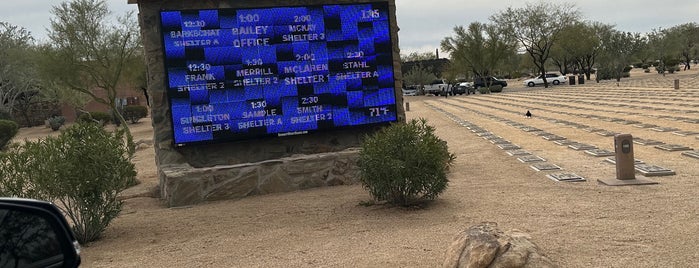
[{"x": 581, "y": 224}]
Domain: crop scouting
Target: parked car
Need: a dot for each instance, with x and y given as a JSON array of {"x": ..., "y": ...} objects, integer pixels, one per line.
[
  {"x": 410, "y": 91},
  {"x": 465, "y": 87},
  {"x": 437, "y": 87},
  {"x": 479, "y": 82},
  {"x": 34, "y": 233},
  {"x": 551, "y": 78}
]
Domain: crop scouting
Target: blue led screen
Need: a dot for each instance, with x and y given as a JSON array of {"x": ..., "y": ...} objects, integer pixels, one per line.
[{"x": 236, "y": 74}]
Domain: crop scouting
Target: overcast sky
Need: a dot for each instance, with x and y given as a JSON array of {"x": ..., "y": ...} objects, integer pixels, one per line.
[{"x": 423, "y": 24}]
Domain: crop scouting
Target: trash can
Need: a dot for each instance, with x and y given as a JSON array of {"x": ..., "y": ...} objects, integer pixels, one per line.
[
  {"x": 571, "y": 80},
  {"x": 581, "y": 80}
]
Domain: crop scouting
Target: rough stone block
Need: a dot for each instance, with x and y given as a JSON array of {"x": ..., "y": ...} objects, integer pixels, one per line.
[{"x": 185, "y": 185}]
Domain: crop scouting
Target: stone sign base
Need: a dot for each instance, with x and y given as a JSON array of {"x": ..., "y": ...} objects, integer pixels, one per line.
[{"x": 183, "y": 185}]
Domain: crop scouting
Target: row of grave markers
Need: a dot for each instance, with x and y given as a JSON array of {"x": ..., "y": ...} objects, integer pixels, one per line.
[
  {"x": 537, "y": 163},
  {"x": 641, "y": 167},
  {"x": 657, "y": 144}
]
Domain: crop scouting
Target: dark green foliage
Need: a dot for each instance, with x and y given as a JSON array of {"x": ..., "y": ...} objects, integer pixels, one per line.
[
  {"x": 405, "y": 163},
  {"x": 83, "y": 170},
  {"x": 5, "y": 115},
  {"x": 56, "y": 122},
  {"x": 496, "y": 88},
  {"x": 483, "y": 90},
  {"x": 134, "y": 113},
  {"x": 101, "y": 117},
  {"x": 8, "y": 130},
  {"x": 627, "y": 69}
]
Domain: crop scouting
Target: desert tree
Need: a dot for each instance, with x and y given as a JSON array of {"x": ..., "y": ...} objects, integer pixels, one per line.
[
  {"x": 18, "y": 70},
  {"x": 418, "y": 56},
  {"x": 618, "y": 50},
  {"x": 479, "y": 49},
  {"x": 664, "y": 48},
  {"x": 89, "y": 51},
  {"x": 419, "y": 75},
  {"x": 578, "y": 47},
  {"x": 686, "y": 36},
  {"x": 537, "y": 27}
]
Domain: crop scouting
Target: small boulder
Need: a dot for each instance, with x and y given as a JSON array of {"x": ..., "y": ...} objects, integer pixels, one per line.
[{"x": 484, "y": 245}]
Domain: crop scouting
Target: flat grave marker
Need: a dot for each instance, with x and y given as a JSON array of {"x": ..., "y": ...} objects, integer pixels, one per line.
[
  {"x": 599, "y": 152},
  {"x": 653, "y": 170},
  {"x": 606, "y": 133},
  {"x": 509, "y": 146},
  {"x": 664, "y": 129},
  {"x": 518, "y": 153},
  {"x": 593, "y": 129},
  {"x": 629, "y": 122},
  {"x": 581, "y": 146},
  {"x": 612, "y": 160},
  {"x": 692, "y": 154},
  {"x": 673, "y": 147},
  {"x": 530, "y": 129},
  {"x": 531, "y": 159},
  {"x": 545, "y": 166},
  {"x": 685, "y": 133},
  {"x": 553, "y": 137},
  {"x": 640, "y": 141},
  {"x": 491, "y": 137},
  {"x": 499, "y": 141},
  {"x": 646, "y": 126},
  {"x": 564, "y": 142},
  {"x": 565, "y": 177}
]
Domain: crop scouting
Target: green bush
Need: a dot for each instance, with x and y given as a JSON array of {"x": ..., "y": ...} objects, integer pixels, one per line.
[
  {"x": 83, "y": 170},
  {"x": 496, "y": 88},
  {"x": 405, "y": 163},
  {"x": 8, "y": 130},
  {"x": 101, "y": 117},
  {"x": 56, "y": 122},
  {"x": 134, "y": 113}
]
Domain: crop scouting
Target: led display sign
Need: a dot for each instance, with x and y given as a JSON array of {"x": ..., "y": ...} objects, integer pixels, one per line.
[{"x": 236, "y": 74}]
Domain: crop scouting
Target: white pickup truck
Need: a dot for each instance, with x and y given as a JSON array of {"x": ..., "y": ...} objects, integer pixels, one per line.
[{"x": 438, "y": 87}]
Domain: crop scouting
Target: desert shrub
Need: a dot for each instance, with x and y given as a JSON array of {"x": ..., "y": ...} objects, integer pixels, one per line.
[
  {"x": 405, "y": 163},
  {"x": 627, "y": 69},
  {"x": 101, "y": 117},
  {"x": 496, "y": 88},
  {"x": 134, "y": 113},
  {"x": 56, "y": 122},
  {"x": 82, "y": 169},
  {"x": 8, "y": 130},
  {"x": 483, "y": 90}
]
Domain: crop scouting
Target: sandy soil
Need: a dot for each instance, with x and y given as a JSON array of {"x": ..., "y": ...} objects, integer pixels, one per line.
[{"x": 582, "y": 224}]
